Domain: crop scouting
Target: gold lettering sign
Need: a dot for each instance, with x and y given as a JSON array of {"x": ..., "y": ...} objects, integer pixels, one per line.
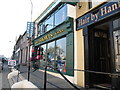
[{"x": 48, "y": 36}]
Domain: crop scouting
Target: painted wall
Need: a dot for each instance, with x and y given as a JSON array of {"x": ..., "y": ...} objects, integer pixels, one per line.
[
  {"x": 79, "y": 46},
  {"x": 79, "y": 58},
  {"x": 81, "y": 10}
]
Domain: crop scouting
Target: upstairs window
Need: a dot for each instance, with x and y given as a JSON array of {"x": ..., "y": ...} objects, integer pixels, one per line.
[
  {"x": 41, "y": 29},
  {"x": 53, "y": 20},
  {"x": 116, "y": 23},
  {"x": 49, "y": 23},
  {"x": 60, "y": 15}
]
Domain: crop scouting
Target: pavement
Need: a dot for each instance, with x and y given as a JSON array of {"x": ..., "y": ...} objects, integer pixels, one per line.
[
  {"x": 54, "y": 81},
  {"x": 37, "y": 78}
]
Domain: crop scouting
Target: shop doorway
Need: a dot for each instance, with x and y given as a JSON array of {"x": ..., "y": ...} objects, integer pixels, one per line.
[{"x": 99, "y": 56}]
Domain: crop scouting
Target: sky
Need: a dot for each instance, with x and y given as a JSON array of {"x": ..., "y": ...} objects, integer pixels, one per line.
[{"x": 14, "y": 15}]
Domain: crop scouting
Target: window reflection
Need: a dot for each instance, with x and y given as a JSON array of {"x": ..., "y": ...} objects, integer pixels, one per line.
[
  {"x": 41, "y": 29},
  {"x": 60, "y": 15},
  {"x": 51, "y": 54},
  {"x": 55, "y": 55},
  {"x": 61, "y": 54},
  {"x": 116, "y": 23},
  {"x": 116, "y": 35},
  {"x": 49, "y": 23},
  {"x": 42, "y": 61},
  {"x": 53, "y": 20}
]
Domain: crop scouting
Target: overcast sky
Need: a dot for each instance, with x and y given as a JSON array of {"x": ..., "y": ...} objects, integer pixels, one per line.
[{"x": 14, "y": 15}]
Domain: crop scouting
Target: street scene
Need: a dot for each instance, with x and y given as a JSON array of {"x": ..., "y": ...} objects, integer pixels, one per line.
[
  {"x": 60, "y": 44},
  {"x": 37, "y": 78}
]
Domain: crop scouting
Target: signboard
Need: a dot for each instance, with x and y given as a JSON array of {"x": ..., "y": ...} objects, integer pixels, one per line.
[
  {"x": 49, "y": 36},
  {"x": 30, "y": 29},
  {"x": 12, "y": 62},
  {"x": 98, "y": 14}
]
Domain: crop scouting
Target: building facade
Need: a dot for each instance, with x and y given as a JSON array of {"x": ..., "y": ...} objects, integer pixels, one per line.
[
  {"x": 24, "y": 49},
  {"x": 99, "y": 31},
  {"x": 21, "y": 50},
  {"x": 81, "y": 40},
  {"x": 16, "y": 52},
  {"x": 55, "y": 34}
]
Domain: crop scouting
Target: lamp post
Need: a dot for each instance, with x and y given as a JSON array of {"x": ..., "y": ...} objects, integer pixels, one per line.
[
  {"x": 29, "y": 41},
  {"x": 31, "y": 9}
]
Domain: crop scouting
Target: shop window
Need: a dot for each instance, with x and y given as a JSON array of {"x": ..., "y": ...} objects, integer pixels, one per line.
[
  {"x": 116, "y": 35},
  {"x": 61, "y": 54},
  {"x": 41, "y": 29},
  {"x": 53, "y": 20},
  {"x": 116, "y": 23},
  {"x": 49, "y": 23},
  {"x": 51, "y": 54},
  {"x": 60, "y": 15},
  {"x": 43, "y": 54}
]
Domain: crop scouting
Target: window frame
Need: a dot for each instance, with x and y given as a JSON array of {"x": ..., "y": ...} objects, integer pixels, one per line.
[{"x": 52, "y": 14}]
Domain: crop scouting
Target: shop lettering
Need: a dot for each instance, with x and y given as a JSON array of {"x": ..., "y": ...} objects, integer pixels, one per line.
[
  {"x": 58, "y": 32},
  {"x": 44, "y": 38},
  {"x": 94, "y": 17},
  {"x": 84, "y": 21},
  {"x": 48, "y": 36},
  {"x": 104, "y": 11}
]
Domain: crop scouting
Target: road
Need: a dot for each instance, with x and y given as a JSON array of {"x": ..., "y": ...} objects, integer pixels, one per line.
[{"x": 3, "y": 77}]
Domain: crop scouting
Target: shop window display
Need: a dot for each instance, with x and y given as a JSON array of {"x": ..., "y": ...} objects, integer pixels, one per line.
[
  {"x": 54, "y": 55},
  {"x": 51, "y": 54},
  {"x": 43, "y": 53},
  {"x": 61, "y": 54}
]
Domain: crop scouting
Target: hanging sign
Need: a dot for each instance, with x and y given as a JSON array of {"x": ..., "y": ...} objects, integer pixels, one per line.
[{"x": 30, "y": 29}]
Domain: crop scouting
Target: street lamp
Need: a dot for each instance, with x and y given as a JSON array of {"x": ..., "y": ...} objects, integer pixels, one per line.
[
  {"x": 30, "y": 43},
  {"x": 31, "y": 9}
]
